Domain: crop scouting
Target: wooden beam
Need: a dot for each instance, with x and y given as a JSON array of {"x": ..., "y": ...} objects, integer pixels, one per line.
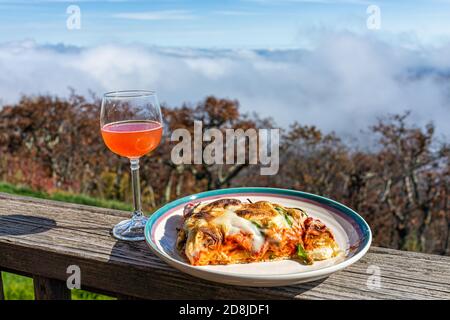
[
  {"x": 124, "y": 297},
  {"x": 42, "y": 238}
]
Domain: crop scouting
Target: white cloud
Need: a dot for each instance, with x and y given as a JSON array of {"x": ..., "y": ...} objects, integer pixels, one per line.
[
  {"x": 342, "y": 84},
  {"x": 156, "y": 15}
]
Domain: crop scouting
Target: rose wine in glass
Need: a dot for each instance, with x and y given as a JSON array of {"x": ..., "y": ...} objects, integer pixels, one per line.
[
  {"x": 131, "y": 126},
  {"x": 132, "y": 139}
]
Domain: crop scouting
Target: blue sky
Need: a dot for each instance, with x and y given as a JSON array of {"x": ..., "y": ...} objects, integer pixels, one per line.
[{"x": 229, "y": 24}]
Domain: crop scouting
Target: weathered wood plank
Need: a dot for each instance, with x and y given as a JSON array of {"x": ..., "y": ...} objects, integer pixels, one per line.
[
  {"x": 44, "y": 237},
  {"x": 50, "y": 289}
]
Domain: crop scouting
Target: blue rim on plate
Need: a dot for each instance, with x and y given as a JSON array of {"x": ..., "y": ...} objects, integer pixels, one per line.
[{"x": 353, "y": 253}]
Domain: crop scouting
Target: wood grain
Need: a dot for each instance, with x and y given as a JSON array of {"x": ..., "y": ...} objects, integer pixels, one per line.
[{"x": 42, "y": 238}]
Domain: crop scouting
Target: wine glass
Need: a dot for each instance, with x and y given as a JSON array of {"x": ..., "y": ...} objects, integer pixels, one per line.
[{"x": 131, "y": 126}]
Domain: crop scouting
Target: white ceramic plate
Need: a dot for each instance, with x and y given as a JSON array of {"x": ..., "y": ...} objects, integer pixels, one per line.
[{"x": 351, "y": 232}]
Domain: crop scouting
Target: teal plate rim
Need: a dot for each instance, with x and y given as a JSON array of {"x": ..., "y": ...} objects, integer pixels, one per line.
[{"x": 363, "y": 229}]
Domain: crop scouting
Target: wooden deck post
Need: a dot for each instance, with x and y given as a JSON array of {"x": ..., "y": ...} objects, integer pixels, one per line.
[
  {"x": 50, "y": 289},
  {"x": 2, "y": 293}
]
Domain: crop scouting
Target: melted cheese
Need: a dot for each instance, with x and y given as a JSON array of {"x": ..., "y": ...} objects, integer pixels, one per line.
[
  {"x": 234, "y": 224},
  {"x": 280, "y": 221}
]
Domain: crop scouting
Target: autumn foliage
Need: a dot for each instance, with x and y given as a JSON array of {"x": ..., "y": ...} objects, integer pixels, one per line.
[{"x": 400, "y": 184}]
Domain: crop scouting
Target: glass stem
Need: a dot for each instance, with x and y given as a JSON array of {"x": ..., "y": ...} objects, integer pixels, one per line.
[{"x": 136, "y": 188}]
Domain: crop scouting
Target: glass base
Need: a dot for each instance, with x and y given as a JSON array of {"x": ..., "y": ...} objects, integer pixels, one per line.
[{"x": 131, "y": 229}]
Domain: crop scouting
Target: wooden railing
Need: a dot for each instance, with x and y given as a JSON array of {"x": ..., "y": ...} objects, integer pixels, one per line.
[{"x": 41, "y": 238}]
